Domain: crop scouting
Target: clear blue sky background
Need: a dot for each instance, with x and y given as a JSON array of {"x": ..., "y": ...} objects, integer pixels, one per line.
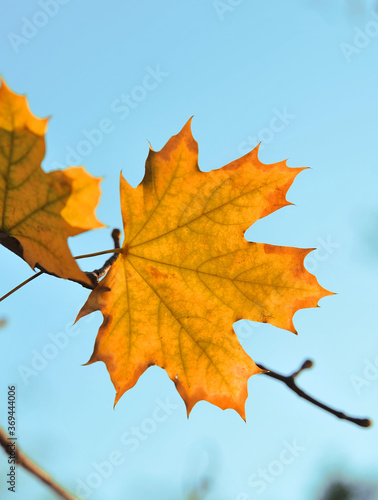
[{"x": 234, "y": 68}]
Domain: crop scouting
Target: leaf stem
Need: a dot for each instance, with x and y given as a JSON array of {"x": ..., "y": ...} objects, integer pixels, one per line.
[
  {"x": 86, "y": 256},
  {"x": 33, "y": 468},
  {"x": 21, "y": 285},
  {"x": 290, "y": 382}
]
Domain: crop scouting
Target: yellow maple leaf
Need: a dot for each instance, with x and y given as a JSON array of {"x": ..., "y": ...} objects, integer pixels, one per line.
[
  {"x": 39, "y": 211},
  {"x": 187, "y": 274}
]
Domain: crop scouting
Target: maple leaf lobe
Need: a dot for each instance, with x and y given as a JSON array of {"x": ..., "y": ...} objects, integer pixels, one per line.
[{"x": 39, "y": 211}]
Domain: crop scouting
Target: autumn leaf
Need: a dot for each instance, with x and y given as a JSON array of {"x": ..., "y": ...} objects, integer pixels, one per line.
[
  {"x": 39, "y": 211},
  {"x": 187, "y": 274}
]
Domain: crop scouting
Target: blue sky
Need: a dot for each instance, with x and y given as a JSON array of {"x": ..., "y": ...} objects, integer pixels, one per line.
[{"x": 301, "y": 77}]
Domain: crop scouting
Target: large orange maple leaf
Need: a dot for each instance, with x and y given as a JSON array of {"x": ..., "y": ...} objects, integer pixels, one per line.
[{"x": 186, "y": 274}]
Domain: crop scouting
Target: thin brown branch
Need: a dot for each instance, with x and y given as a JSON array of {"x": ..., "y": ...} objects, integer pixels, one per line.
[
  {"x": 290, "y": 382},
  {"x": 21, "y": 285},
  {"x": 29, "y": 465},
  {"x": 94, "y": 276}
]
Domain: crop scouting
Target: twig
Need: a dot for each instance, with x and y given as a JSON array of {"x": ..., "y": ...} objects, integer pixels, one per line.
[
  {"x": 290, "y": 381},
  {"x": 94, "y": 276},
  {"x": 21, "y": 285},
  {"x": 33, "y": 468}
]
